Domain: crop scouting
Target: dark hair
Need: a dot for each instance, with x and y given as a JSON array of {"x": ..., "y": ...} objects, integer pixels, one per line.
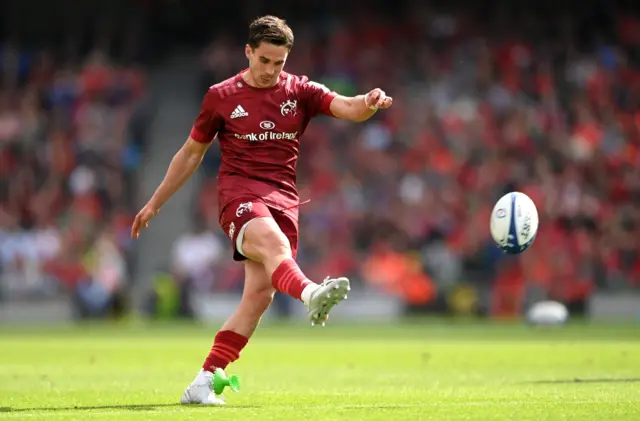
[{"x": 270, "y": 29}]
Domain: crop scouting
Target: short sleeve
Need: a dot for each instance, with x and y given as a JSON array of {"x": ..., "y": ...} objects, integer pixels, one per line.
[
  {"x": 208, "y": 122},
  {"x": 316, "y": 97}
]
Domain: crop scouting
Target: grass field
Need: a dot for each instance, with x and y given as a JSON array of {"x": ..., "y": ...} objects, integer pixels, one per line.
[{"x": 428, "y": 370}]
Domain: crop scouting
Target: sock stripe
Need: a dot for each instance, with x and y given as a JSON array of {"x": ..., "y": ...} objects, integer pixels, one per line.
[
  {"x": 226, "y": 355},
  {"x": 289, "y": 279},
  {"x": 236, "y": 342},
  {"x": 226, "y": 349}
]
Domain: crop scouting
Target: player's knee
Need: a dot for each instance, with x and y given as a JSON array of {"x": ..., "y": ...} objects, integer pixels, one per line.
[{"x": 263, "y": 239}]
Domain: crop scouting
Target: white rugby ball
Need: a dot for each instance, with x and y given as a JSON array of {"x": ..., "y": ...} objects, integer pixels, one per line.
[
  {"x": 514, "y": 222},
  {"x": 548, "y": 313}
]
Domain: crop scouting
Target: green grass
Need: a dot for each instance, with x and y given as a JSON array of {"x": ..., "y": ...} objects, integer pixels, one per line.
[{"x": 428, "y": 370}]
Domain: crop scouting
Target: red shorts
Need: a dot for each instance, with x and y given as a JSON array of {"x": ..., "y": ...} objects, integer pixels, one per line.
[{"x": 236, "y": 215}]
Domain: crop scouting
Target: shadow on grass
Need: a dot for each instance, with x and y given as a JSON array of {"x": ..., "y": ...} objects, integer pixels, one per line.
[
  {"x": 576, "y": 380},
  {"x": 141, "y": 407},
  {"x": 153, "y": 407}
]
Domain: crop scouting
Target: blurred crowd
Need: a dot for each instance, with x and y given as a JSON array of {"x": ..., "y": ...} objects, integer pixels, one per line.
[
  {"x": 541, "y": 102},
  {"x": 540, "y": 97},
  {"x": 71, "y": 137}
]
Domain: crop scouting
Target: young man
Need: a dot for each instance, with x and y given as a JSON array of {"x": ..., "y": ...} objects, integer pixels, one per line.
[{"x": 259, "y": 116}]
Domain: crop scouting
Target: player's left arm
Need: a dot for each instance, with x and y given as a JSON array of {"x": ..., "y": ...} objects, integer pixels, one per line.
[{"x": 360, "y": 107}]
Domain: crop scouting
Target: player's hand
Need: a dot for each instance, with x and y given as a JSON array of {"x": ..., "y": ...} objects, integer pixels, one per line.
[
  {"x": 378, "y": 99},
  {"x": 142, "y": 219}
]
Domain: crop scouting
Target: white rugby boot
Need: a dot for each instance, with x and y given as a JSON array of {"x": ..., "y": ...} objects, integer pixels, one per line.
[
  {"x": 320, "y": 299},
  {"x": 200, "y": 391}
]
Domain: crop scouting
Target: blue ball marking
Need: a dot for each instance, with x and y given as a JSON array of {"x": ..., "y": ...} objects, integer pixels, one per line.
[{"x": 512, "y": 246}]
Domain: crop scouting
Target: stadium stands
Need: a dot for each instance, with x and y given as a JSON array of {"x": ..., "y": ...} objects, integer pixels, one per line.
[
  {"x": 544, "y": 99},
  {"x": 402, "y": 203},
  {"x": 70, "y": 142}
]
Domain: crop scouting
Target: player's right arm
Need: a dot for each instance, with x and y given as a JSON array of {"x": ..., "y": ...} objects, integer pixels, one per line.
[{"x": 184, "y": 162}]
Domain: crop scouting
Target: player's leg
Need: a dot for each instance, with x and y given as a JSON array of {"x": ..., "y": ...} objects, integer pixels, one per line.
[
  {"x": 257, "y": 296},
  {"x": 273, "y": 242},
  {"x": 235, "y": 333},
  {"x": 260, "y": 280}
]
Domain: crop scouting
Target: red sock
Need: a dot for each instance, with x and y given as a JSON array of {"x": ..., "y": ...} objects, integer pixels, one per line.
[
  {"x": 226, "y": 349},
  {"x": 288, "y": 278}
]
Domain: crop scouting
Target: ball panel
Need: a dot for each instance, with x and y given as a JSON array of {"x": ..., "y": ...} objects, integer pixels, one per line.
[
  {"x": 501, "y": 221},
  {"x": 514, "y": 222},
  {"x": 526, "y": 221},
  {"x": 512, "y": 245}
]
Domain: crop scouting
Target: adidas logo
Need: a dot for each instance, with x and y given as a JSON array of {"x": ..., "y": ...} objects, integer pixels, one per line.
[{"x": 239, "y": 112}]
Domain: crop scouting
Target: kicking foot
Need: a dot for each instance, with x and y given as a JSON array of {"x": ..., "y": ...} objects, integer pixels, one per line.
[
  {"x": 200, "y": 391},
  {"x": 327, "y": 295}
]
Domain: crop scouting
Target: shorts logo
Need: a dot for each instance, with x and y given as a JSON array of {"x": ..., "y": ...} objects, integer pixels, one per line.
[
  {"x": 232, "y": 230},
  {"x": 244, "y": 207},
  {"x": 501, "y": 213},
  {"x": 267, "y": 125},
  {"x": 289, "y": 107}
]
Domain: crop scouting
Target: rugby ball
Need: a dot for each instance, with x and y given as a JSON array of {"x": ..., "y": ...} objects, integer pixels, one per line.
[
  {"x": 514, "y": 222},
  {"x": 547, "y": 313}
]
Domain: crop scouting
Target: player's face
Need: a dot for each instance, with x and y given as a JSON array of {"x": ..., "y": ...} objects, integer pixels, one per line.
[{"x": 265, "y": 63}]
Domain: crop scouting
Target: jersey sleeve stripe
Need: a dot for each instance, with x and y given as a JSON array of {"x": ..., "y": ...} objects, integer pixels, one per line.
[
  {"x": 198, "y": 136},
  {"x": 325, "y": 103}
]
